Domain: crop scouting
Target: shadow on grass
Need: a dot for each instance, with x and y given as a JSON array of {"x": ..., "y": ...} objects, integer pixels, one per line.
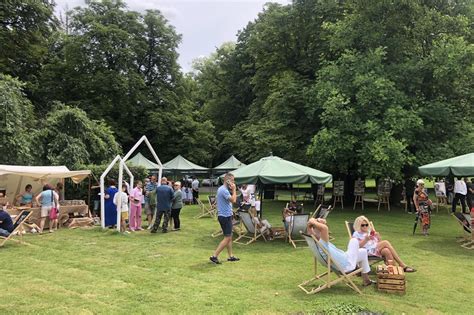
[
  {"x": 204, "y": 266},
  {"x": 443, "y": 247}
]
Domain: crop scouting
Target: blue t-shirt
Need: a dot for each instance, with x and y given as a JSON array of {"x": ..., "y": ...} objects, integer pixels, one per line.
[
  {"x": 224, "y": 206},
  {"x": 47, "y": 198},
  {"x": 6, "y": 221},
  {"x": 164, "y": 196}
]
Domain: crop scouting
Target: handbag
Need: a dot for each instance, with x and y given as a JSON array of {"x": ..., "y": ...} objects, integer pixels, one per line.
[{"x": 53, "y": 214}]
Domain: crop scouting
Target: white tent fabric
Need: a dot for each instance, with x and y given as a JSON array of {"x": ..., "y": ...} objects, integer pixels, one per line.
[{"x": 14, "y": 178}]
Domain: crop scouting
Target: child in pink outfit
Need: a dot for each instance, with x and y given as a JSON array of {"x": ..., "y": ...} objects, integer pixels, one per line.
[{"x": 136, "y": 207}]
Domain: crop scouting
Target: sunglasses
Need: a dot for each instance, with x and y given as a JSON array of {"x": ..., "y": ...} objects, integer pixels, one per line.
[{"x": 364, "y": 225}]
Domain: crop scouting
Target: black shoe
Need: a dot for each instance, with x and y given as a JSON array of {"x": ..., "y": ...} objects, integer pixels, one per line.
[
  {"x": 164, "y": 231},
  {"x": 153, "y": 230},
  {"x": 215, "y": 260},
  {"x": 233, "y": 258}
]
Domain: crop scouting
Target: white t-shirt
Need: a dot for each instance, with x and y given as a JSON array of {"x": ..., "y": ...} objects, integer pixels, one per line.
[
  {"x": 460, "y": 187},
  {"x": 195, "y": 185},
  {"x": 124, "y": 200}
]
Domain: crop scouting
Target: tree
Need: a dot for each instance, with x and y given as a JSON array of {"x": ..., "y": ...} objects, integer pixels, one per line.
[
  {"x": 17, "y": 120},
  {"x": 25, "y": 28},
  {"x": 412, "y": 44},
  {"x": 68, "y": 137},
  {"x": 121, "y": 66}
]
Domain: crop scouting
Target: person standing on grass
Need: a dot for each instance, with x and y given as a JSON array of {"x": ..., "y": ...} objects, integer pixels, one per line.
[
  {"x": 49, "y": 198},
  {"x": 150, "y": 201},
  {"x": 195, "y": 187},
  {"x": 164, "y": 197},
  {"x": 176, "y": 206},
  {"x": 225, "y": 199},
  {"x": 122, "y": 199},
  {"x": 470, "y": 193},
  {"x": 460, "y": 192},
  {"x": 135, "y": 221}
]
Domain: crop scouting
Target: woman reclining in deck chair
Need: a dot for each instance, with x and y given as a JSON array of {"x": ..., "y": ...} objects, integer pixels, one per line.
[
  {"x": 349, "y": 259},
  {"x": 370, "y": 240},
  {"x": 263, "y": 225}
]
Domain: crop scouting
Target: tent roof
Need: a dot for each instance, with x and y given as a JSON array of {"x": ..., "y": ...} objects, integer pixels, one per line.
[
  {"x": 462, "y": 165},
  {"x": 44, "y": 172},
  {"x": 231, "y": 163},
  {"x": 179, "y": 163},
  {"x": 140, "y": 160},
  {"x": 275, "y": 170}
]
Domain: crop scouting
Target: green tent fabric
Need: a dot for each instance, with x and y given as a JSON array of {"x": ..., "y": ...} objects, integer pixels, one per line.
[
  {"x": 462, "y": 165},
  {"x": 140, "y": 160},
  {"x": 275, "y": 170},
  {"x": 180, "y": 164},
  {"x": 231, "y": 163}
]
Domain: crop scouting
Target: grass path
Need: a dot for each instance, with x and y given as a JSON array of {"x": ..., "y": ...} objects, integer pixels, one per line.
[{"x": 96, "y": 271}]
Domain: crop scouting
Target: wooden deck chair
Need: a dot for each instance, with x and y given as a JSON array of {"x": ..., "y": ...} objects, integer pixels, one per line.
[
  {"x": 236, "y": 227},
  {"x": 17, "y": 227},
  {"x": 252, "y": 232},
  {"x": 205, "y": 210},
  {"x": 350, "y": 232},
  {"x": 297, "y": 224},
  {"x": 323, "y": 256},
  {"x": 465, "y": 224},
  {"x": 322, "y": 211},
  {"x": 211, "y": 199}
]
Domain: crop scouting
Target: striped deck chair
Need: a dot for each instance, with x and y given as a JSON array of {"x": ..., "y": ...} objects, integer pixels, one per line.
[
  {"x": 252, "y": 233},
  {"x": 211, "y": 199},
  {"x": 464, "y": 223},
  {"x": 350, "y": 232},
  {"x": 322, "y": 212},
  {"x": 205, "y": 210},
  {"x": 333, "y": 274},
  {"x": 17, "y": 227},
  {"x": 297, "y": 224}
]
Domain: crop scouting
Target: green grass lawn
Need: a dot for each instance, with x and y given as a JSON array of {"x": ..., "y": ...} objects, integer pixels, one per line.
[{"x": 96, "y": 271}]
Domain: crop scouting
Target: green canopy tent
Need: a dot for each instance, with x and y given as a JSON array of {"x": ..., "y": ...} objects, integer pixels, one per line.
[
  {"x": 181, "y": 165},
  {"x": 462, "y": 165},
  {"x": 275, "y": 170},
  {"x": 140, "y": 160},
  {"x": 230, "y": 164}
]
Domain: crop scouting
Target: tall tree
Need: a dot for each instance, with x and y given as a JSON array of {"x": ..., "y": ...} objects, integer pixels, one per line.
[
  {"x": 16, "y": 121},
  {"x": 69, "y": 137},
  {"x": 121, "y": 66},
  {"x": 390, "y": 58},
  {"x": 25, "y": 29}
]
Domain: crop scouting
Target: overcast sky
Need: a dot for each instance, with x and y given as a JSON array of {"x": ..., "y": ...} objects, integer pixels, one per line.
[{"x": 204, "y": 25}]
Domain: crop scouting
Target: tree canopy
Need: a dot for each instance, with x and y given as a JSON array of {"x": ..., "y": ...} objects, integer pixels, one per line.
[
  {"x": 350, "y": 87},
  {"x": 368, "y": 90}
]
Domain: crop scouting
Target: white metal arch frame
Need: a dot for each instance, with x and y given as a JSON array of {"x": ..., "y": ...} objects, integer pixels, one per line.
[
  {"x": 122, "y": 165},
  {"x": 102, "y": 188}
]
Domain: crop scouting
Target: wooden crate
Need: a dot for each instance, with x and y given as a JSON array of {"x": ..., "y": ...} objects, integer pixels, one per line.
[{"x": 391, "y": 279}]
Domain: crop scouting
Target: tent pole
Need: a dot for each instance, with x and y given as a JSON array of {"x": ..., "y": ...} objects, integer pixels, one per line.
[
  {"x": 89, "y": 196},
  {"x": 261, "y": 201}
]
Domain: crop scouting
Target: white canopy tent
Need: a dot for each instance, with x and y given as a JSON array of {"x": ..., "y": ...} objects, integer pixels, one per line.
[{"x": 14, "y": 178}]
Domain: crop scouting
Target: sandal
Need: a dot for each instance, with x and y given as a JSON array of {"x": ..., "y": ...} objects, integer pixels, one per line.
[
  {"x": 409, "y": 269},
  {"x": 366, "y": 284}
]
